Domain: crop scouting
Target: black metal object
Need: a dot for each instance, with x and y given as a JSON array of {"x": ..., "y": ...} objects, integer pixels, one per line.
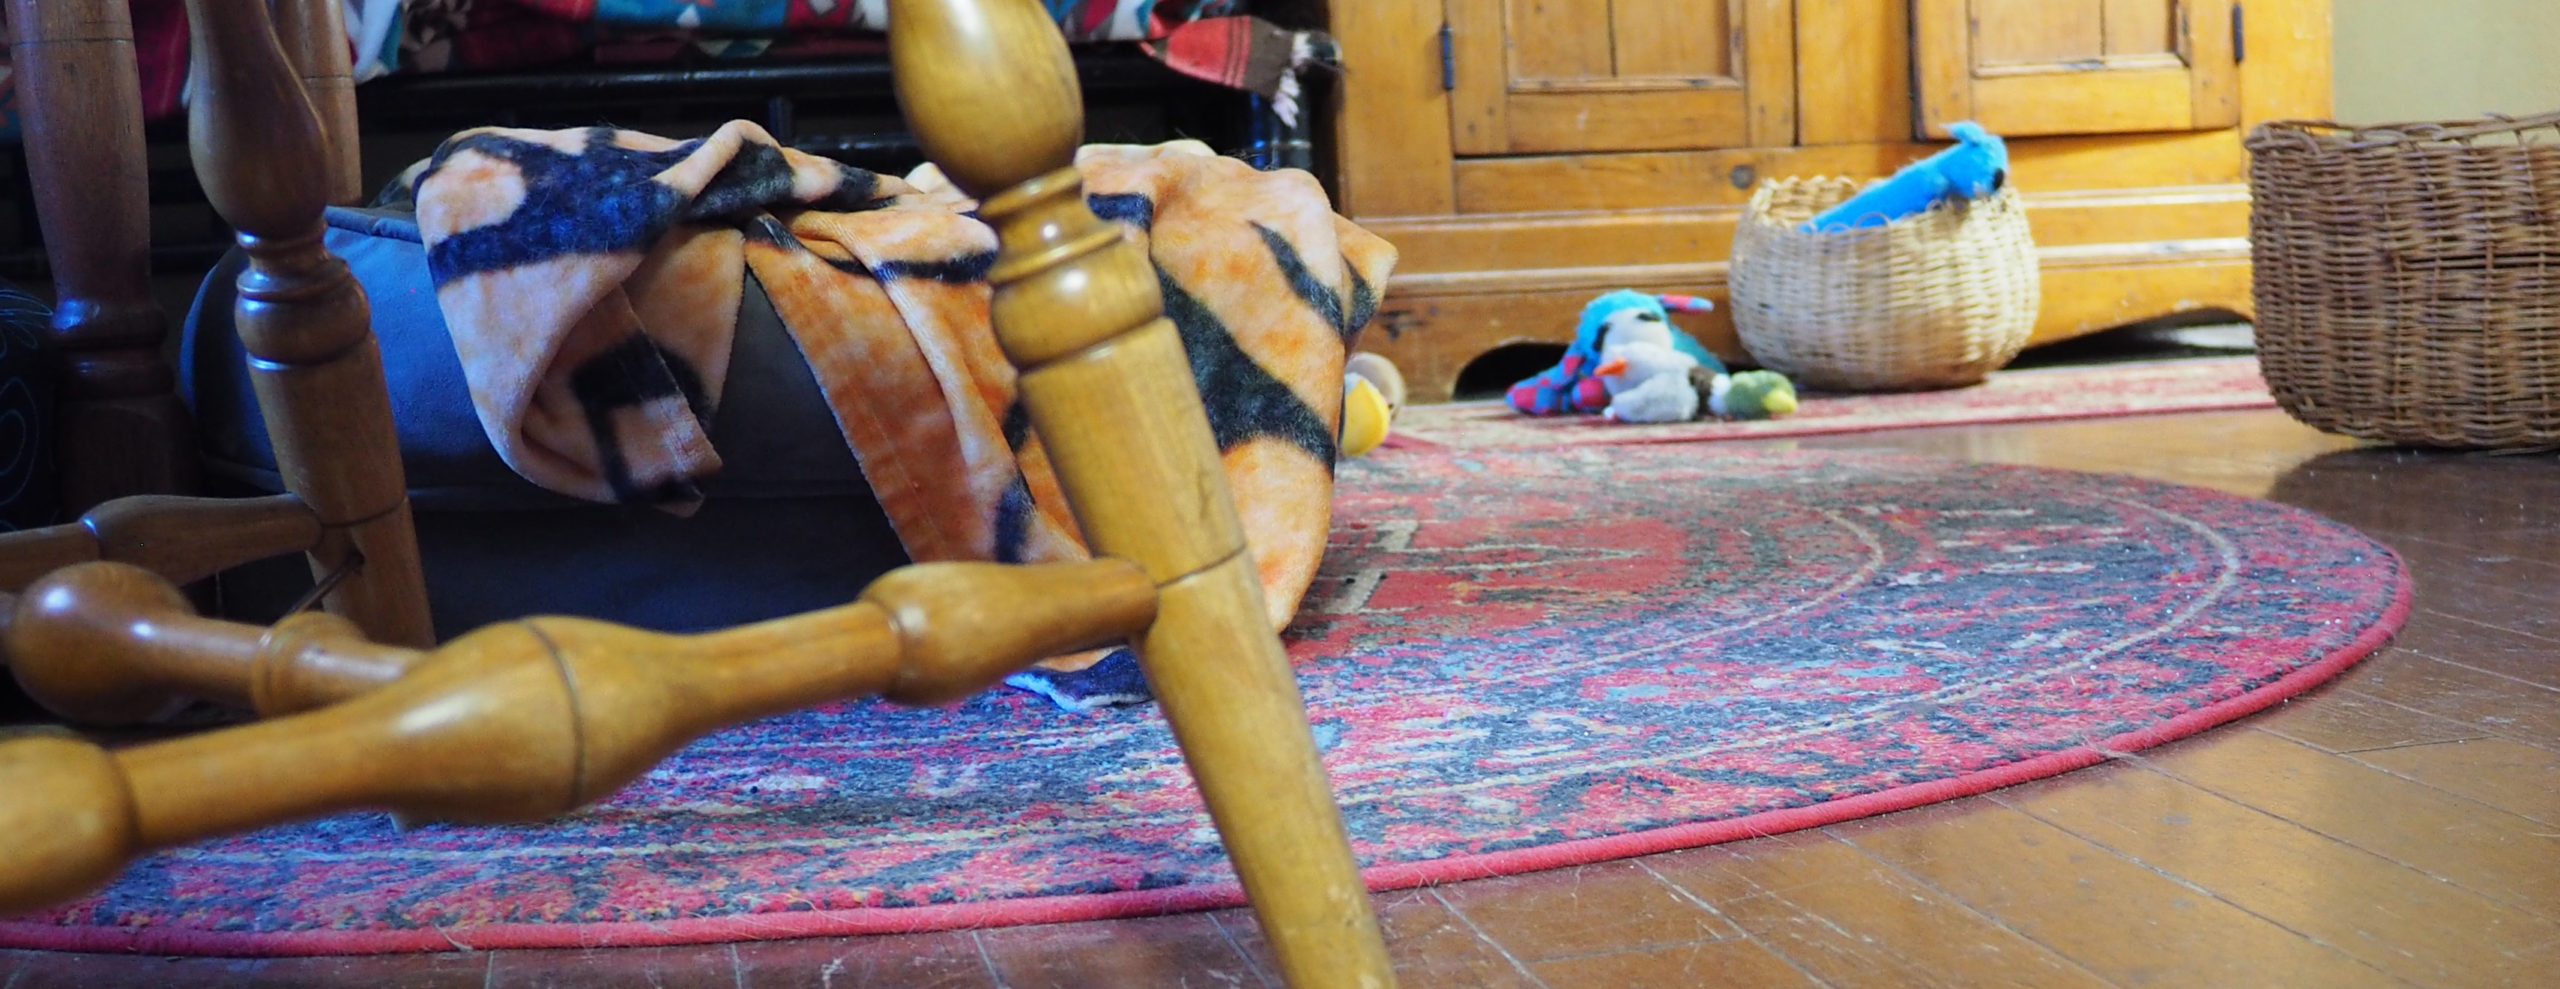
[
  {"x": 1274, "y": 143},
  {"x": 1448, "y": 59}
]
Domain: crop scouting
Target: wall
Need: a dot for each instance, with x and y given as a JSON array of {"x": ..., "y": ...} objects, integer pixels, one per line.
[{"x": 2446, "y": 59}]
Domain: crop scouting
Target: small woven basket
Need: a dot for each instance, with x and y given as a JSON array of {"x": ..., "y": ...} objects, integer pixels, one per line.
[
  {"x": 2408, "y": 278},
  {"x": 1937, "y": 300}
]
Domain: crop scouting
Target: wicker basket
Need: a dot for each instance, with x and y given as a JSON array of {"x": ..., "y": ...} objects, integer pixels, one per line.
[
  {"x": 2408, "y": 278},
  {"x": 1937, "y": 300}
]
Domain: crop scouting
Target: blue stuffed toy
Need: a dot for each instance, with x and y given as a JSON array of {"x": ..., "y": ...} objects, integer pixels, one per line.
[
  {"x": 1978, "y": 165},
  {"x": 1574, "y": 385}
]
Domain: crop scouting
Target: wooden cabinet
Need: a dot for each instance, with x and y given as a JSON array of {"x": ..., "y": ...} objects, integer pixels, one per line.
[
  {"x": 1526, "y": 155},
  {"x": 2033, "y": 67},
  {"x": 1620, "y": 75}
]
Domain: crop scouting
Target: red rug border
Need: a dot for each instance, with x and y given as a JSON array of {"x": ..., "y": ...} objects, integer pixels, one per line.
[
  {"x": 1106, "y": 906},
  {"x": 2234, "y": 403}
]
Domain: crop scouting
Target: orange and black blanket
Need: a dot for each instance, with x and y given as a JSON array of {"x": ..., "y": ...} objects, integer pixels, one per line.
[{"x": 591, "y": 280}]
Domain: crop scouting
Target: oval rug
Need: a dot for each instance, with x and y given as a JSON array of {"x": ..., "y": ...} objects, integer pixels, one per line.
[{"x": 1514, "y": 661}]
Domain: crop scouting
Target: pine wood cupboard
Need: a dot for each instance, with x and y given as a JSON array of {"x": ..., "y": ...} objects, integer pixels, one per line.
[{"x": 1528, "y": 154}]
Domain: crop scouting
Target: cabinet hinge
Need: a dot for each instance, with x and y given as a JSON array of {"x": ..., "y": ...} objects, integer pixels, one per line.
[
  {"x": 2239, "y": 38},
  {"x": 1448, "y": 60}
]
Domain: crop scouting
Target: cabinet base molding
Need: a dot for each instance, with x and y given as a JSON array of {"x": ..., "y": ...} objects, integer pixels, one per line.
[{"x": 1434, "y": 325}]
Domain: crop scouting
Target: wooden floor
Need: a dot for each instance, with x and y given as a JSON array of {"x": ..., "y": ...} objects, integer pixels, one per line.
[{"x": 2398, "y": 827}]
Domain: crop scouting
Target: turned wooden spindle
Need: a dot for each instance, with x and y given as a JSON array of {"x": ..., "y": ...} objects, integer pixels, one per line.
[
  {"x": 991, "y": 94},
  {"x": 523, "y": 720},
  {"x": 182, "y": 539},
  {"x": 314, "y": 35},
  {"x": 259, "y": 150},
  {"x": 111, "y": 644},
  {"x": 120, "y": 428}
]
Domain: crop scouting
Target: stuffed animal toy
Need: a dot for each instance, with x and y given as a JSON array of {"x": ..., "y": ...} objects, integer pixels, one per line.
[
  {"x": 1574, "y": 385},
  {"x": 1745, "y": 394},
  {"x": 1977, "y": 165},
  {"x": 1652, "y": 382},
  {"x": 1627, "y": 362},
  {"x": 1372, "y": 394},
  {"x": 1648, "y": 379}
]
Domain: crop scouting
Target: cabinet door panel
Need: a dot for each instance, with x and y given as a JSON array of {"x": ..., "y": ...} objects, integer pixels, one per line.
[
  {"x": 1584, "y": 120},
  {"x": 2139, "y": 27},
  {"x": 1553, "y": 41},
  {"x": 2029, "y": 67},
  {"x": 1539, "y": 76},
  {"x": 1672, "y": 39},
  {"x": 2030, "y": 32}
]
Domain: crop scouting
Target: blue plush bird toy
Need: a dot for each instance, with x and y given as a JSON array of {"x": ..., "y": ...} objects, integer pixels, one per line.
[
  {"x": 1574, "y": 385},
  {"x": 1978, "y": 165}
]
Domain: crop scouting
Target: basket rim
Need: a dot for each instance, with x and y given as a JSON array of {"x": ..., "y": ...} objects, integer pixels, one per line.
[
  {"x": 2319, "y": 134},
  {"x": 1757, "y": 212}
]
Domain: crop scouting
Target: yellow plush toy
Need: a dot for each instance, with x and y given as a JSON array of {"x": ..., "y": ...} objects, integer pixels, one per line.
[{"x": 1372, "y": 394}]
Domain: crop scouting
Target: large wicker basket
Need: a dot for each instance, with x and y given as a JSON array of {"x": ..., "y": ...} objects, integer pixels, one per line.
[
  {"x": 2408, "y": 278},
  {"x": 1937, "y": 300}
]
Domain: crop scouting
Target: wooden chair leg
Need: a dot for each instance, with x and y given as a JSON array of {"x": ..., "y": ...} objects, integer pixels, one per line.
[
  {"x": 314, "y": 34},
  {"x": 261, "y": 154},
  {"x": 122, "y": 430},
  {"x": 115, "y": 644},
  {"x": 990, "y": 92},
  {"x": 517, "y": 721},
  {"x": 182, "y": 539}
]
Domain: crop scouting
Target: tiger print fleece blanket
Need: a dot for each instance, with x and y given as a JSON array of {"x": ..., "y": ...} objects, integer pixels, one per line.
[{"x": 591, "y": 281}]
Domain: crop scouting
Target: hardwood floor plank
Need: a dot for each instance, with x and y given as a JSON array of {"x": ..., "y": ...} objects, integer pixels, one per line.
[
  {"x": 2501, "y": 574},
  {"x": 1431, "y": 944},
  {"x": 2526, "y": 554},
  {"x": 1238, "y": 925},
  {"x": 1610, "y": 906},
  {"x": 443, "y": 970},
  {"x": 1175, "y": 950},
  {"x": 2495, "y": 557},
  {"x": 77, "y": 970},
  {"x": 2478, "y": 503},
  {"x": 2340, "y": 719},
  {"x": 2485, "y": 590},
  {"x": 708, "y": 966},
  {"x": 1734, "y": 964},
  {"x": 2127, "y": 923},
  {"x": 2515, "y": 611},
  {"x": 1854, "y": 922},
  {"x": 2520, "y": 779},
  {"x": 2488, "y": 851},
  {"x": 2464, "y": 641},
  {"x": 2388, "y": 915},
  {"x": 942, "y": 960},
  {"x": 2497, "y": 705}
]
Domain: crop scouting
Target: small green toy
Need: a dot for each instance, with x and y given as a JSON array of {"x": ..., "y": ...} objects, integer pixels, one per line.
[{"x": 1743, "y": 394}]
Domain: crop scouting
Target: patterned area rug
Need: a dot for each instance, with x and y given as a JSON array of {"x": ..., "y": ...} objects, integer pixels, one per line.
[
  {"x": 1515, "y": 661},
  {"x": 2200, "y": 385}
]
